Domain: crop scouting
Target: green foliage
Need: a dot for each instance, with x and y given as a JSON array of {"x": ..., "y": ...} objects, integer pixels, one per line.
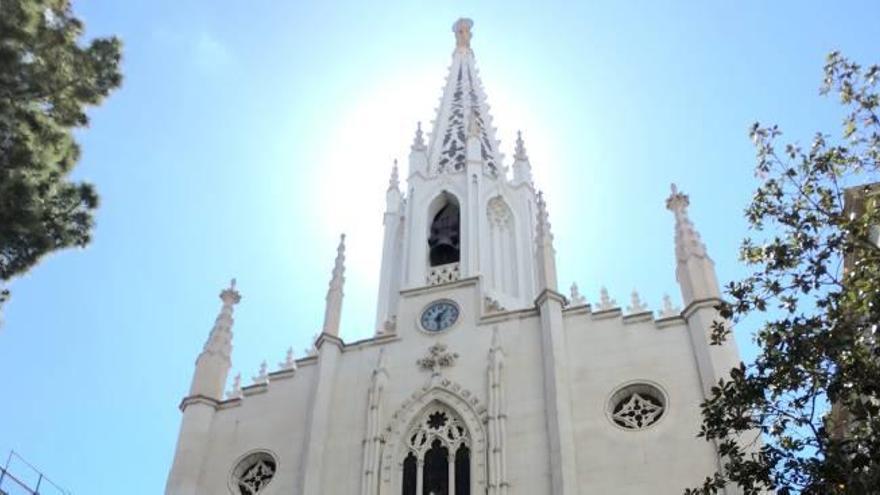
[
  {"x": 47, "y": 79},
  {"x": 813, "y": 392}
]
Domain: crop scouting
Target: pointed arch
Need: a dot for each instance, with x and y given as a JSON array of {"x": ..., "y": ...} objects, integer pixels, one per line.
[{"x": 442, "y": 396}]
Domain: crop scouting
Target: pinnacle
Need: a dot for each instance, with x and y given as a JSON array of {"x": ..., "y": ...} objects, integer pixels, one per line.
[
  {"x": 677, "y": 200},
  {"x": 520, "y": 153},
  {"x": 419, "y": 139},
  {"x": 394, "y": 181},
  {"x": 230, "y": 296}
]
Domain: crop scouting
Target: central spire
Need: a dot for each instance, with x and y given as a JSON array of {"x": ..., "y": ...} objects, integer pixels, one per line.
[{"x": 463, "y": 111}]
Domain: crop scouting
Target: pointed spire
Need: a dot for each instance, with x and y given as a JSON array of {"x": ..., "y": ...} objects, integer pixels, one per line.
[
  {"x": 636, "y": 305},
  {"x": 220, "y": 340},
  {"x": 212, "y": 365},
  {"x": 577, "y": 299},
  {"x": 263, "y": 375},
  {"x": 394, "y": 180},
  {"x": 289, "y": 361},
  {"x": 522, "y": 169},
  {"x": 418, "y": 158},
  {"x": 463, "y": 111},
  {"x": 520, "y": 153},
  {"x": 669, "y": 310},
  {"x": 695, "y": 271},
  {"x": 546, "y": 254},
  {"x": 235, "y": 393},
  {"x": 605, "y": 302},
  {"x": 419, "y": 139},
  {"x": 333, "y": 311},
  {"x": 687, "y": 240}
]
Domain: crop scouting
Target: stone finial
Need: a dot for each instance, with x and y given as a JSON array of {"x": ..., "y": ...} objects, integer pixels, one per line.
[
  {"x": 333, "y": 310},
  {"x": 230, "y": 296},
  {"x": 687, "y": 240},
  {"x": 220, "y": 339},
  {"x": 546, "y": 254},
  {"x": 289, "y": 361},
  {"x": 419, "y": 139},
  {"x": 605, "y": 302},
  {"x": 695, "y": 271},
  {"x": 235, "y": 393},
  {"x": 462, "y": 30},
  {"x": 520, "y": 152},
  {"x": 676, "y": 200},
  {"x": 394, "y": 180},
  {"x": 668, "y": 310},
  {"x": 636, "y": 305},
  {"x": 543, "y": 216},
  {"x": 263, "y": 375},
  {"x": 577, "y": 299}
]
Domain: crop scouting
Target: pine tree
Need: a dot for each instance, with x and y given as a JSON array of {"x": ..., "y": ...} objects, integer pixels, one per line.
[{"x": 48, "y": 77}]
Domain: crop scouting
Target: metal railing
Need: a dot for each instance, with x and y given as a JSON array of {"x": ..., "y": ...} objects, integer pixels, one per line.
[{"x": 19, "y": 477}]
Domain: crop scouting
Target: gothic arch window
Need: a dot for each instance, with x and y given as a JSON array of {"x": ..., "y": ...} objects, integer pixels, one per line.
[
  {"x": 444, "y": 235},
  {"x": 252, "y": 473},
  {"x": 437, "y": 455},
  {"x": 502, "y": 239}
]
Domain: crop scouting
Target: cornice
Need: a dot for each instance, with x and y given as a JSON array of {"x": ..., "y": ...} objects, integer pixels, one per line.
[
  {"x": 428, "y": 289},
  {"x": 549, "y": 294},
  {"x": 698, "y": 304},
  {"x": 198, "y": 399}
]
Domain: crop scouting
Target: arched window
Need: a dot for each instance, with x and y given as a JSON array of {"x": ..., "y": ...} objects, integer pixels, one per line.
[
  {"x": 437, "y": 461},
  {"x": 444, "y": 240}
]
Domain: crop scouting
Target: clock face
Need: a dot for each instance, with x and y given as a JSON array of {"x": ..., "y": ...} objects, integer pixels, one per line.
[{"x": 439, "y": 316}]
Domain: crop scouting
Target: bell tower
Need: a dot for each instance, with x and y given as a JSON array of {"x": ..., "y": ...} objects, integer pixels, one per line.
[{"x": 461, "y": 215}]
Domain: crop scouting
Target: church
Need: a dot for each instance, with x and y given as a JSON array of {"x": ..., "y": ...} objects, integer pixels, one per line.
[{"x": 482, "y": 378}]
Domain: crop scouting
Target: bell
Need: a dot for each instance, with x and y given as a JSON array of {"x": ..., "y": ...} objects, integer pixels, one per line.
[{"x": 444, "y": 241}]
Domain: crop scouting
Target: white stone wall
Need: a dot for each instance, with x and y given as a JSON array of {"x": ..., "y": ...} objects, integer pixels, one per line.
[{"x": 605, "y": 351}]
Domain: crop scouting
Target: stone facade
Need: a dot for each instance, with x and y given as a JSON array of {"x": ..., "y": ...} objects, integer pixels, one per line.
[{"x": 482, "y": 378}]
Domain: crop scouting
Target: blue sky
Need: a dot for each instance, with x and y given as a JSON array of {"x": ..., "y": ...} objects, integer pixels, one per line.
[{"x": 247, "y": 135}]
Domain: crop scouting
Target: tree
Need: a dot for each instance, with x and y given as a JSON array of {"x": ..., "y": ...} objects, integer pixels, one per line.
[
  {"x": 813, "y": 393},
  {"x": 47, "y": 79}
]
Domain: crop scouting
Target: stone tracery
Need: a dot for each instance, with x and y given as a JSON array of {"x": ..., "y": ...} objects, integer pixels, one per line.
[{"x": 437, "y": 454}]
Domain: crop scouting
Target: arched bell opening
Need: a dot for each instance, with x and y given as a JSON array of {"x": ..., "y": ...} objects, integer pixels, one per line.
[{"x": 444, "y": 234}]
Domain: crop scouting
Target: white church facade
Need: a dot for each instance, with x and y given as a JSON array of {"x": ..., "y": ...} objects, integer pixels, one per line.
[{"x": 482, "y": 378}]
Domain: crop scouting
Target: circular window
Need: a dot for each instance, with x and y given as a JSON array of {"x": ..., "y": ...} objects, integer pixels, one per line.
[
  {"x": 637, "y": 406},
  {"x": 252, "y": 473}
]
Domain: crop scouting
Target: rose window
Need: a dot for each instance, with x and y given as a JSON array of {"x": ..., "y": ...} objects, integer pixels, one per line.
[
  {"x": 253, "y": 473},
  {"x": 637, "y": 406}
]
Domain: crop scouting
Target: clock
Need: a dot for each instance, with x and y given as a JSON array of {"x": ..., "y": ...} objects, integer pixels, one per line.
[{"x": 439, "y": 316}]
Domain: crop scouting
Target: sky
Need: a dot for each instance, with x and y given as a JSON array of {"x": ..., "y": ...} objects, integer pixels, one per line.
[{"x": 248, "y": 135}]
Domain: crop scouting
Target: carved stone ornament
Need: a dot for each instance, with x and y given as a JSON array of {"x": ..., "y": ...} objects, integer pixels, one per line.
[
  {"x": 637, "y": 412},
  {"x": 438, "y": 357}
]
